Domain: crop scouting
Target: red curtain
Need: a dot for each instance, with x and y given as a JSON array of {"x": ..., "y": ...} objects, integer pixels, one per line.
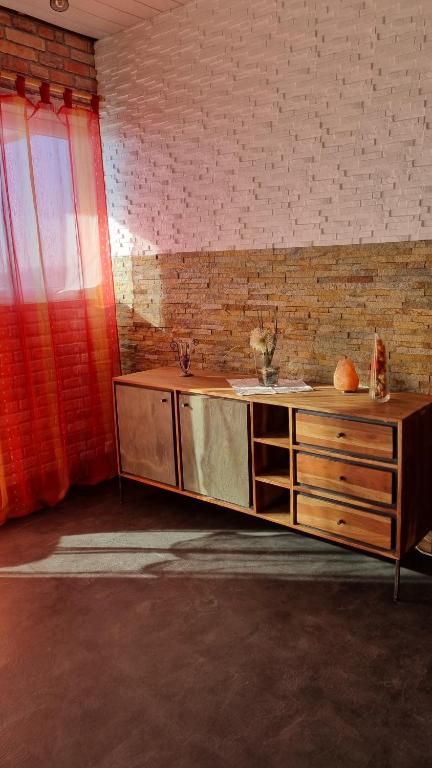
[{"x": 58, "y": 336}]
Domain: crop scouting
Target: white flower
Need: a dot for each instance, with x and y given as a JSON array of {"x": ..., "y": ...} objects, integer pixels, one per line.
[
  {"x": 263, "y": 340},
  {"x": 259, "y": 340}
]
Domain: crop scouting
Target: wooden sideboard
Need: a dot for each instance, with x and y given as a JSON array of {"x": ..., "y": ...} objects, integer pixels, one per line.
[{"x": 339, "y": 466}]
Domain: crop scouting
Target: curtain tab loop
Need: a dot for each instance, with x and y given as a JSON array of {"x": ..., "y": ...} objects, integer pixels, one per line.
[
  {"x": 20, "y": 84},
  {"x": 44, "y": 91},
  {"x": 67, "y": 97},
  {"x": 95, "y": 99}
]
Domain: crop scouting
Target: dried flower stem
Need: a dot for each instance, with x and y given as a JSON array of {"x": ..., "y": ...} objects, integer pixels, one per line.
[{"x": 264, "y": 339}]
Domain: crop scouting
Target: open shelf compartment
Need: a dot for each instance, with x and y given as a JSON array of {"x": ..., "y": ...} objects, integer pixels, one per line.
[
  {"x": 272, "y": 465},
  {"x": 271, "y": 424},
  {"x": 273, "y": 503}
]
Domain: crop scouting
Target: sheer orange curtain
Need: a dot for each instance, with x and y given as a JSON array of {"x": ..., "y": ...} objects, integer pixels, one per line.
[{"x": 58, "y": 336}]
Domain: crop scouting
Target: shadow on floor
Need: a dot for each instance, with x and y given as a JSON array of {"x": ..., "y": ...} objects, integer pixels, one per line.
[
  {"x": 170, "y": 632},
  {"x": 155, "y": 534}
]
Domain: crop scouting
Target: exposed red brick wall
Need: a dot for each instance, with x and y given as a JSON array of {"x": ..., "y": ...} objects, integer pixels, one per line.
[{"x": 37, "y": 49}]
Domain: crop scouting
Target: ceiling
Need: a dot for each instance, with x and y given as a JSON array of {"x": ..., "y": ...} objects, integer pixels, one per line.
[{"x": 96, "y": 18}]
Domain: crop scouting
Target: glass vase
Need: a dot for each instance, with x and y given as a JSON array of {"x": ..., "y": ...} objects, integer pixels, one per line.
[
  {"x": 268, "y": 375},
  {"x": 184, "y": 348},
  {"x": 379, "y": 388}
]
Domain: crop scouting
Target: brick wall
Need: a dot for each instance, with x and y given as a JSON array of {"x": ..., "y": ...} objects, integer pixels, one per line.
[
  {"x": 235, "y": 133},
  {"x": 36, "y": 49},
  {"x": 330, "y": 299},
  {"x": 269, "y": 123}
]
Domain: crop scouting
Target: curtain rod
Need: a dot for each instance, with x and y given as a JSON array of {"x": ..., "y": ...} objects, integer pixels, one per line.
[{"x": 57, "y": 90}]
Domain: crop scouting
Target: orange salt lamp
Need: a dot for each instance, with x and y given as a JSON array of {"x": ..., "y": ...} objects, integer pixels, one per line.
[{"x": 345, "y": 376}]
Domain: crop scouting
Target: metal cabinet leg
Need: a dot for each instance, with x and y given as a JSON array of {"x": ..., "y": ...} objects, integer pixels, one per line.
[
  {"x": 396, "y": 581},
  {"x": 120, "y": 489}
]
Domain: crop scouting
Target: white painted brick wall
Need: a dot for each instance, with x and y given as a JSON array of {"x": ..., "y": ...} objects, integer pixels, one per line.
[{"x": 258, "y": 123}]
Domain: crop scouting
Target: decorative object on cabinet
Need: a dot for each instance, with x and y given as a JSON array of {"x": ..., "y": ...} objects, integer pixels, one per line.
[
  {"x": 347, "y": 470},
  {"x": 345, "y": 377},
  {"x": 379, "y": 388},
  {"x": 253, "y": 387},
  {"x": 263, "y": 340},
  {"x": 184, "y": 349}
]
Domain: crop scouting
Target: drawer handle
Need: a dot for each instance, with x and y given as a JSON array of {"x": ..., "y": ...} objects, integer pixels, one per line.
[
  {"x": 341, "y": 434},
  {"x": 342, "y": 478},
  {"x": 341, "y": 522},
  {"x": 185, "y": 405},
  {"x": 164, "y": 400}
]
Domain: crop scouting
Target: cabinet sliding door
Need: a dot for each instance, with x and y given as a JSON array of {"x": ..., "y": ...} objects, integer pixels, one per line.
[
  {"x": 215, "y": 447},
  {"x": 146, "y": 433}
]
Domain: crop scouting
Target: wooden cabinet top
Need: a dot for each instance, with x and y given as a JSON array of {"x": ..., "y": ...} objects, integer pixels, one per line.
[{"x": 323, "y": 398}]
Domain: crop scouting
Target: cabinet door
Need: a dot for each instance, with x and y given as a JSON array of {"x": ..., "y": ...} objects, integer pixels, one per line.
[
  {"x": 146, "y": 433},
  {"x": 215, "y": 447}
]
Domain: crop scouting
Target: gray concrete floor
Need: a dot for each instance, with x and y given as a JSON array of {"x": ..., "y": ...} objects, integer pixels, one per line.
[{"x": 168, "y": 632}]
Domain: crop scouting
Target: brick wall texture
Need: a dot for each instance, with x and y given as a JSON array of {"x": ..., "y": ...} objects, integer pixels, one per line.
[
  {"x": 36, "y": 49},
  {"x": 263, "y": 153},
  {"x": 330, "y": 300},
  {"x": 270, "y": 123}
]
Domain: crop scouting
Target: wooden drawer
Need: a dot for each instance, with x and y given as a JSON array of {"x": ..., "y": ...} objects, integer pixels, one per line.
[
  {"x": 337, "y": 434},
  {"x": 367, "y": 483},
  {"x": 343, "y": 521}
]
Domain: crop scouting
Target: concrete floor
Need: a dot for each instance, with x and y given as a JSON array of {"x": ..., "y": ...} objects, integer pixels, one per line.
[{"x": 169, "y": 632}]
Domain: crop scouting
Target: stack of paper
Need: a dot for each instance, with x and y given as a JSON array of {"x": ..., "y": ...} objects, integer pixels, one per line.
[{"x": 253, "y": 387}]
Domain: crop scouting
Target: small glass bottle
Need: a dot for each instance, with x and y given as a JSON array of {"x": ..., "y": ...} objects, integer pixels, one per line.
[{"x": 379, "y": 388}]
